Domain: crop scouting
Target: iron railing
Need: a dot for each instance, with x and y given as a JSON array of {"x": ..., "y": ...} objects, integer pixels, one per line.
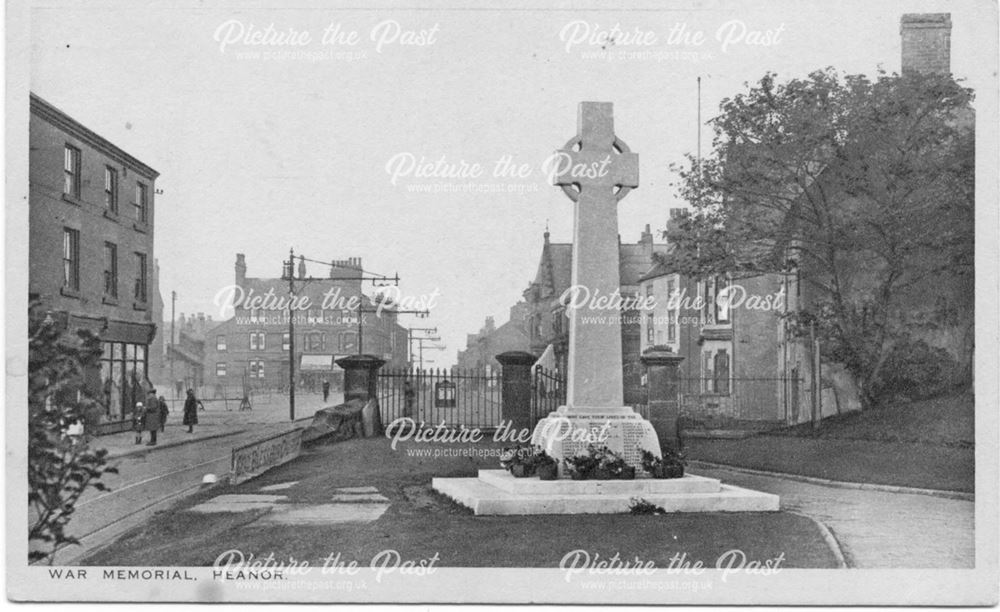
[
  {"x": 431, "y": 397},
  {"x": 739, "y": 398}
]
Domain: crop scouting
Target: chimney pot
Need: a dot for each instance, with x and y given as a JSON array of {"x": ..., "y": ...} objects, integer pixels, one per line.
[{"x": 241, "y": 269}]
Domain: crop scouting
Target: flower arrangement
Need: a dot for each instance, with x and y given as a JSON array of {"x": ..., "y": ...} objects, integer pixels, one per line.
[
  {"x": 581, "y": 466},
  {"x": 523, "y": 461},
  {"x": 671, "y": 465},
  {"x": 599, "y": 464}
]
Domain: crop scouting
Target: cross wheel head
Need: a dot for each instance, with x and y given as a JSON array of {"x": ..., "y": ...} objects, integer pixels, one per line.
[{"x": 595, "y": 160}]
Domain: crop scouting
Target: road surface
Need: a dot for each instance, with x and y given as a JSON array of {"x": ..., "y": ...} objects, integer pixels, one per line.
[{"x": 148, "y": 482}]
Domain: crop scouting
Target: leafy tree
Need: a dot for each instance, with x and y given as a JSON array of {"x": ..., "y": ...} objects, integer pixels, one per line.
[
  {"x": 864, "y": 187},
  {"x": 60, "y": 468}
]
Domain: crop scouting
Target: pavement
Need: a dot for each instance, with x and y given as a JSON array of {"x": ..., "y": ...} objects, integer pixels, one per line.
[
  {"x": 216, "y": 422},
  {"x": 876, "y": 529}
]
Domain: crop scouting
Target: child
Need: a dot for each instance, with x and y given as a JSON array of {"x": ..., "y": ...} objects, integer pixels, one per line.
[{"x": 138, "y": 421}]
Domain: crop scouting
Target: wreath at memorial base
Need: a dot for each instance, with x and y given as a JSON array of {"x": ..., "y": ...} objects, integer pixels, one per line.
[
  {"x": 599, "y": 463},
  {"x": 671, "y": 465},
  {"x": 523, "y": 461}
]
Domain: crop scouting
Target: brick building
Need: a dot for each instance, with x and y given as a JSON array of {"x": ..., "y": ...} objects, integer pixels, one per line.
[
  {"x": 180, "y": 364},
  {"x": 482, "y": 348},
  {"x": 252, "y": 347},
  {"x": 548, "y": 325},
  {"x": 91, "y": 222},
  {"x": 741, "y": 370}
]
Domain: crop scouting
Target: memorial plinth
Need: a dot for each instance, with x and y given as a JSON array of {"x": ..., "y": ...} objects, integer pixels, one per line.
[{"x": 567, "y": 432}]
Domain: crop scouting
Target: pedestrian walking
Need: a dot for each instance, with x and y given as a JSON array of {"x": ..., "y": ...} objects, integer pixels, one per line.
[
  {"x": 326, "y": 390},
  {"x": 191, "y": 411},
  {"x": 152, "y": 418},
  {"x": 138, "y": 421},
  {"x": 164, "y": 411}
]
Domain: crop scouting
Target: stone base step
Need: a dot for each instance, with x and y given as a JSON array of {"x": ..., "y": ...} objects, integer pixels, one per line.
[
  {"x": 484, "y": 498},
  {"x": 502, "y": 479}
]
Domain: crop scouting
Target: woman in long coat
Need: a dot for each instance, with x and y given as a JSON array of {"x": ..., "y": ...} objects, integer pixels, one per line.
[{"x": 190, "y": 411}]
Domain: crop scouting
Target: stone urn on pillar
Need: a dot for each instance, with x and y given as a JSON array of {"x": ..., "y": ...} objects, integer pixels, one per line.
[
  {"x": 663, "y": 380},
  {"x": 516, "y": 389},
  {"x": 360, "y": 379}
]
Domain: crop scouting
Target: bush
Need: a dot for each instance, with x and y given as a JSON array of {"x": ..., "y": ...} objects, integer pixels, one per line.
[
  {"x": 60, "y": 467},
  {"x": 916, "y": 370}
]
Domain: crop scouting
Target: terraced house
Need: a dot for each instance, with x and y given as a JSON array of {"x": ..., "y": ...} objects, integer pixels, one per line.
[{"x": 90, "y": 242}]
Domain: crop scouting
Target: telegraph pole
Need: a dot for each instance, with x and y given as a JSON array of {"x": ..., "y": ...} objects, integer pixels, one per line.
[
  {"x": 699, "y": 125},
  {"x": 362, "y": 310},
  {"x": 421, "y": 349},
  {"x": 361, "y": 331},
  {"x": 410, "y": 339},
  {"x": 290, "y": 270},
  {"x": 173, "y": 319},
  {"x": 361, "y": 275}
]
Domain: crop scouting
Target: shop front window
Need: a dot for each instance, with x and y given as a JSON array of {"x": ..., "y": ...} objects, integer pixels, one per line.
[{"x": 123, "y": 375}]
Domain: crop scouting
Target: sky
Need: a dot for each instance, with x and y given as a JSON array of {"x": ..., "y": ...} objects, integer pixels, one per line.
[{"x": 356, "y": 149}]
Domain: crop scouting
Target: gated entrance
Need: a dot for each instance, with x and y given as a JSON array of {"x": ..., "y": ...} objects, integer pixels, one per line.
[{"x": 435, "y": 396}]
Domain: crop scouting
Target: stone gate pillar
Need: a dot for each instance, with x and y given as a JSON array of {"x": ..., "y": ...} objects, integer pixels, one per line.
[
  {"x": 664, "y": 394},
  {"x": 360, "y": 379},
  {"x": 516, "y": 388}
]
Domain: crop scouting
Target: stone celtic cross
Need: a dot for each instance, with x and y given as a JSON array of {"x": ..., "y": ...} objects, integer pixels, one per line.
[{"x": 596, "y": 171}]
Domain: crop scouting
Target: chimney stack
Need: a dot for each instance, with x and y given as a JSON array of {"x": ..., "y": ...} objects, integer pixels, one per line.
[
  {"x": 241, "y": 269},
  {"x": 926, "y": 43},
  {"x": 646, "y": 241}
]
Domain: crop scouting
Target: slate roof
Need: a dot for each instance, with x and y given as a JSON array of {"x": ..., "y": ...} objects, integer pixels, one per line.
[{"x": 555, "y": 267}]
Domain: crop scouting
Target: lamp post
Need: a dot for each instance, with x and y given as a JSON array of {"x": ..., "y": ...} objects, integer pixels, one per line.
[
  {"x": 173, "y": 319},
  {"x": 288, "y": 270}
]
